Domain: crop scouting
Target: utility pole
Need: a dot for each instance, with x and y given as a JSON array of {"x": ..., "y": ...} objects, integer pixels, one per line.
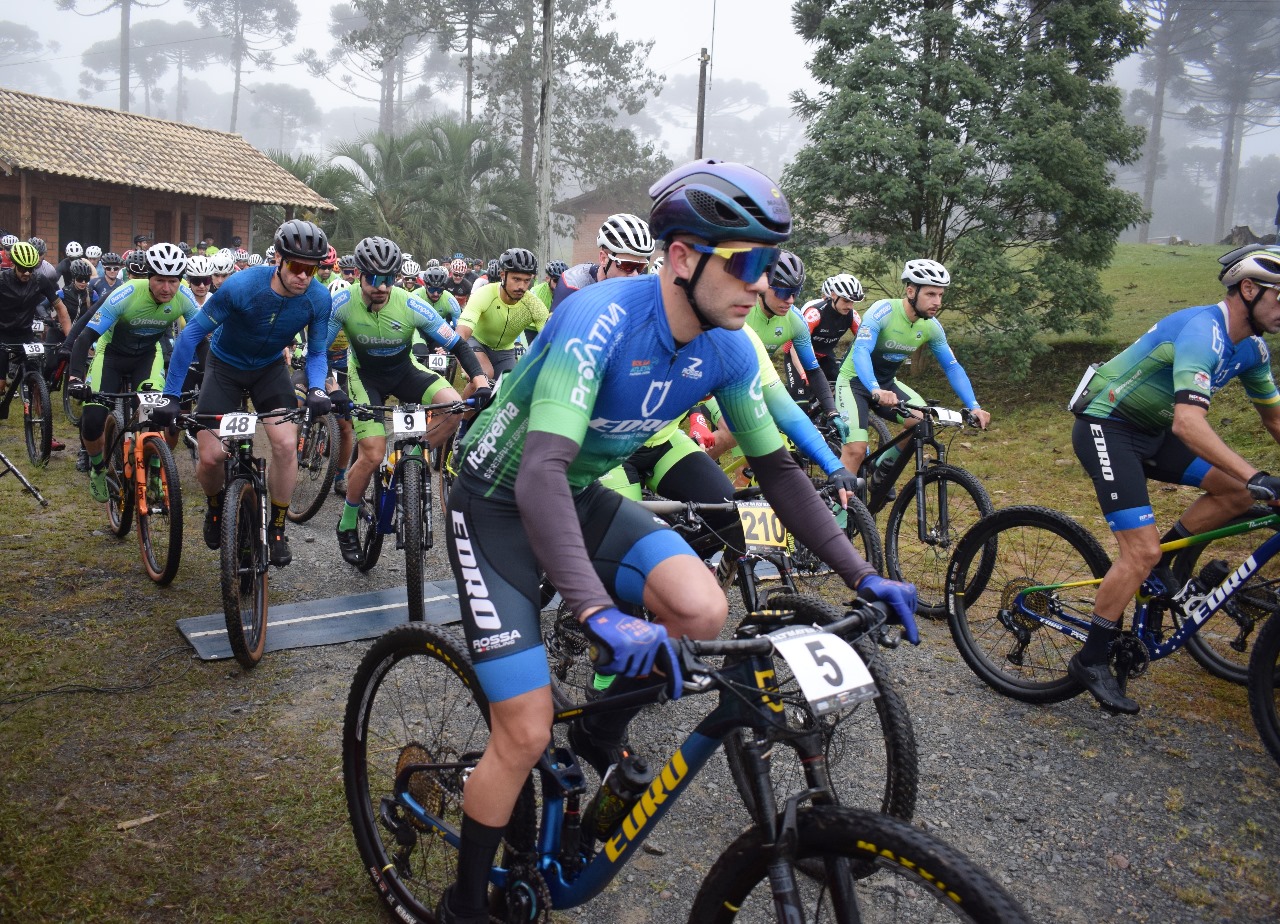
[
  {"x": 544, "y": 140},
  {"x": 124, "y": 54},
  {"x": 703, "y": 60}
]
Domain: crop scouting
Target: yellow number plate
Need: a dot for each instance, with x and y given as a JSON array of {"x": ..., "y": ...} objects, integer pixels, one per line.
[{"x": 763, "y": 530}]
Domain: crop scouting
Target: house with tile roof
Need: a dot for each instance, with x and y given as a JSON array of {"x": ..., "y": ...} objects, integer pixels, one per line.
[{"x": 73, "y": 172}]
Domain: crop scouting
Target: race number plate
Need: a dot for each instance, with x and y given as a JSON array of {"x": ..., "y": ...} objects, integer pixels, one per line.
[
  {"x": 409, "y": 423},
  {"x": 37, "y": 326},
  {"x": 831, "y": 674},
  {"x": 33, "y": 349},
  {"x": 437, "y": 362},
  {"x": 147, "y": 402},
  {"x": 238, "y": 424},
  {"x": 948, "y": 418},
  {"x": 763, "y": 530}
]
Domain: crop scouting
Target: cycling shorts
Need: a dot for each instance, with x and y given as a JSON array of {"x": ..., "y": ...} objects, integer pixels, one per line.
[
  {"x": 498, "y": 575},
  {"x": 853, "y": 401},
  {"x": 224, "y": 388},
  {"x": 1120, "y": 458},
  {"x": 110, "y": 372},
  {"x": 501, "y": 360},
  {"x": 408, "y": 382}
]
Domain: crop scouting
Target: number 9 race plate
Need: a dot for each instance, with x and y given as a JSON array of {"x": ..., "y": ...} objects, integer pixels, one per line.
[
  {"x": 830, "y": 672},
  {"x": 409, "y": 423}
]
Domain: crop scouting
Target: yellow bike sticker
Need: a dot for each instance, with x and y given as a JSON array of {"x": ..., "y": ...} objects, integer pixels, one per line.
[{"x": 763, "y": 530}]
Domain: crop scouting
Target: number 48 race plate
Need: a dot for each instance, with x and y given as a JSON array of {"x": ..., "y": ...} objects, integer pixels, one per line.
[{"x": 830, "y": 672}]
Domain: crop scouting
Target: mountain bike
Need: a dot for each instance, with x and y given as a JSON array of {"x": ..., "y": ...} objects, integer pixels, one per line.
[
  {"x": 398, "y": 499},
  {"x": 26, "y": 366},
  {"x": 941, "y": 501},
  {"x": 416, "y": 724},
  {"x": 871, "y": 748},
  {"x": 317, "y": 464},
  {"x": 142, "y": 480},
  {"x": 243, "y": 554},
  {"x": 1021, "y": 586}
]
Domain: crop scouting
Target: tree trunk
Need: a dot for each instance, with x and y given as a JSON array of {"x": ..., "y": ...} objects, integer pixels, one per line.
[
  {"x": 471, "y": 64},
  {"x": 1153, "y": 151},
  {"x": 177, "y": 115},
  {"x": 125, "y": 8},
  {"x": 528, "y": 118},
  {"x": 387, "y": 97},
  {"x": 237, "y": 58},
  {"x": 1226, "y": 176}
]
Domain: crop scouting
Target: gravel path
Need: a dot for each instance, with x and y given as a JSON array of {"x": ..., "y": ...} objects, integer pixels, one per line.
[{"x": 1084, "y": 817}]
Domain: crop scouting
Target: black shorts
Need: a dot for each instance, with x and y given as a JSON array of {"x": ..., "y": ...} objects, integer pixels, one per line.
[
  {"x": 224, "y": 387},
  {"x": 1120, "y": 458},
  {"x": 112, "y": 375}
]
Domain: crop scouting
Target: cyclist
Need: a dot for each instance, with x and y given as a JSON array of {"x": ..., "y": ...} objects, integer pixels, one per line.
[
  {"x": 409, "y": 270},
  {"x": 93, "y": 253},
  {"x": 110, "y": 279},
  {"x": 625, "y": 243},
  {"x": 253, "y": 317},
  {"x": 1144, "y": 414},
  {"x": 500, "y": 311},
  {"x": 45, "y": 268},
  {"x": 221, "y": 265},
  {"x": 127, "y": 329},
  {"x": 73, "y": 251},
  {"x": 459, "y": 286},
  {"x": 542, "y": 291},
  {"x": 891, "y": 330},
  {"x": 829, "y": 317},
  {"x": 379, "y": 320},
  {"x": 347, "y": 268},
  {"x": 618, "y": 361},
  {"x": 327, "y": 272},
  {"x": 6, "y": 242},
  {"x": 22, "y": 289},
  {"x": 437, "y": 296}
]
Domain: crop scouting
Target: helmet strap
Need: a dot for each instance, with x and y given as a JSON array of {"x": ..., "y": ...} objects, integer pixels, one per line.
[
  {"x": 1249, "y": 305},
  {"x": 687, "y": 285},
  {"x": 502, "y": 284}
]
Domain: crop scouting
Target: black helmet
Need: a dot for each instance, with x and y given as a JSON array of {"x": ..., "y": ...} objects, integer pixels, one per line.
[
  {"x": 185, "y": 248},
  {"x": 435, "y": 277},
  {"x": 557, "y": 268},
  {"x": 347, "y": 261},
  {"x": 111, "y": 258},
  {"x": 136, "y": 263},
  {"x": 301, "y": 240},
  {"x": 82, "y": 269},
  {"x": 38, "y": 243},
  {"x": 492, "y": 270},
  {"x": 788, "y": 272},
  {"x": 518, "y": 260},
  {"x": 377, "y": 255}
]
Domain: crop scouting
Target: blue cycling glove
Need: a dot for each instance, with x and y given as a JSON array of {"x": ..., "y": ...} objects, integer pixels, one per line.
[
  {"x": 629, "y": 646},
  {"x": 901, "y": 598}
]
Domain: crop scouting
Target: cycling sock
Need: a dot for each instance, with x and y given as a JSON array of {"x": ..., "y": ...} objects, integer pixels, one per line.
[
  {"x": 350, "y": 516},
  {"x": 339, "y": 474},
  {"x": 1097, "y": 646},
  {"x": 279, "y": 513},
  {"x": 215, "y": 501},
  {"x": 603, "y": 681},
  {"x": 96, "y": 462},
  {"x": 476, "y": 850},
  {"x": 1178, "y": 532},
  {"x": 890, "y": 456}
]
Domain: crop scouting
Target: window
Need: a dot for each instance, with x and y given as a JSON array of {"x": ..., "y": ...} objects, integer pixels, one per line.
[
  {"x": 220, "y": 228},
  {"x": 163, "y": 227},
  {"x": 87, "y": 224}
]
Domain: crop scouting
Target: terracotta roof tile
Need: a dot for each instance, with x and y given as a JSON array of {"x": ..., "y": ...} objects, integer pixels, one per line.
[{"x": 135, "y": 150}]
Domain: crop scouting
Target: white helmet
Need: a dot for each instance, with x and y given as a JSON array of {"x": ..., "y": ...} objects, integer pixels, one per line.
[
  {"x": 656, "y": 265},
  {"x": 222, "y": 263},
  {"x": 255, "y": 259},
  {"x": 626, "y": 234},
  {"x": 269, "y": 255},
  {"x": 199, "y": 265},
  {"x": 74, "y": 250},
  {"x": 165, "y": 259},
  {"x": 93, "y": 252},
  {"x": 843, "y": 285},
  {"x": 8, "y": 241},
  {"x": 337, "y": 284},
  {"x": 1261, "y": 264},
  {"x": 926, "y": 273},
  {"x": 409, "y": 268}
]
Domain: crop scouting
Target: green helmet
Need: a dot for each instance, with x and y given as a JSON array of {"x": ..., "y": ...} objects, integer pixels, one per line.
[{"x": 24, "y": 255}]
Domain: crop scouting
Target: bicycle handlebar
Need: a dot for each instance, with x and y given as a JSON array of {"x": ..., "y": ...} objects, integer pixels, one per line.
[{"x": 381, "y": 411}]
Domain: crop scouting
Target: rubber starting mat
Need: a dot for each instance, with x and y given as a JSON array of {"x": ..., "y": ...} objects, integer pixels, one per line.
[{"x": 325, "y": 622}]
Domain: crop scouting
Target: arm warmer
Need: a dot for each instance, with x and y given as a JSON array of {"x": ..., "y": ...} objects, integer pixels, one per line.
[
  {"x": 184, "y": 348},
  {"x": 80, "y": 346},
  {"x": 819, "y": 385},
  {"x": 467, "y": 358}
]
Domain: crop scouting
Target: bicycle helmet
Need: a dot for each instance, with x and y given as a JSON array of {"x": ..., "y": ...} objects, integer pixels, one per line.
[
  {"x": 111, "y": 259},
  {"x": 242, "y": 256},
  {"x": 301, "y": 240},
  {"x": 626, "y": 234},
  {"x": 926, "y": 273},
  {"x": 1261, "y": 264},
  {"x": 409, "y": 268},
  {"x": 458, "y": 266},
  {"x": 347, "y": 261},
  {"x": 337, "y": 284},
  {"x": 492, "y": 270},
  {"x": 255, "y": 259},
  {"x": 516, "y": 260},
  {"x": 433, "y": 262},
  {"x": 93, "y": 252},
  {"x": 185, "y": 248},
  {"x": 719, "y": 201},
  {"x": 656, "y": 265},
  {"x": 269, "y": 255},
  {"x": 38, "y": 243},
  {"x": 377, "y": 255},
  {"x": 74, "y": 250},
  {"x": 165, "y": 259},
  {"x": 222, "y": 263},
  {"x": 557, "y": 268},
  {"x": 331, "y": 259},
  {"x": 788, "y": 272},
  {"x": 843, "y": 285},
  {"x": 199, "y": 265},
  {"x": 24, "y": 255},
  {"x": 135, "y": 261},
  {"x": 8, "y": 241},
  {"x": 435, "y": 277},
  {"x": 82, "y": 269}
]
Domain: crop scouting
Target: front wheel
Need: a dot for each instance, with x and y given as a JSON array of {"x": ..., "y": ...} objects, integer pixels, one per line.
[
  {"x": 317, "y": 463},
  {"x": 902, "y": 874},
  {"x": 413, "y": 480},
  {"x": 1013, "y": 573},
  {"x": 1264, "y": 685},
  {"x": 37, "y": 417},
  {"x": 950, "y": 500},
  {"x": 120, "y": 491},
  {"x": 244, "y": 572},
  {"x": 160, "y": 525}
]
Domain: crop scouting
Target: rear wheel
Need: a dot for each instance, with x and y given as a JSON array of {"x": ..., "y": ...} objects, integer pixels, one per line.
[
  {"x": 1264, "y": 685},
  {"x": 413, "y": 480},
  {"x": 120, "y": 491},
  {"x": 37, "y": 416},
  {"x": 160, "y": 526},
  {"x": 317, "y": 464},
  {"x": 244, "y": 572},
  {"x": 72, "y": 409},
  {"x": 367, "y": 527}
]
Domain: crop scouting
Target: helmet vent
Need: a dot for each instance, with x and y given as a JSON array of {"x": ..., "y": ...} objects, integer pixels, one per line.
[{"x": 711, "y": 209}]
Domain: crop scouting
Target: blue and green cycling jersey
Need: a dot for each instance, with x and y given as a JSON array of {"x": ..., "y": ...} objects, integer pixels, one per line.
[
  {"x": 887, "y": 338},
  {"x": 381, "y": 339},
  {"x": 775, "y": 331},
  {"x": 1183, "y": 359},
  {"x": 607, "y": 374},
  {"x": 130, "y": 322}
]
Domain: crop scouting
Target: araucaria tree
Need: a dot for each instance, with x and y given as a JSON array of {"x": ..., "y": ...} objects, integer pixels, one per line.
[{"x": 979, "y": 133}]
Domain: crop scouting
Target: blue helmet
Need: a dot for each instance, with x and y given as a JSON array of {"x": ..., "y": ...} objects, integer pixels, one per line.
[{"x": 719, "y": 201}]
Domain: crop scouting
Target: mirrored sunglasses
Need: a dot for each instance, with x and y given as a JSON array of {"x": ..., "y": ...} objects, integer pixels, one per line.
[
  {"x": 786, "y": 293},
  {"x": 200, "y": 280},
  {"x": 300, "y": 269},
  {"x": 629, "y": 266},
  {"x": 379, "y": 279},
  {"x": 745, "y": 263}
]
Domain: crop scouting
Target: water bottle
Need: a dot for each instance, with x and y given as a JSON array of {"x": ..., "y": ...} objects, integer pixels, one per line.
[{"x": 623, "y": 784}]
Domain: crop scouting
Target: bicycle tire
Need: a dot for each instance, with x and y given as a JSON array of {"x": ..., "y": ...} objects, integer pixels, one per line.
[
  {"x": 814, "y": 577},
  {"x": 120, "y": 493},
  {"x": 412, "y": 475},
  {"x": 1022, "y": 547},
  {"x": 72, "y": 409},
  {"x": 1264, "y": 686},
  {"x": 367, "y": 527},
  {"x": 317, "y": 464},
  {"x": 1222, "y": 643},
  {"x": 878, "y": 433},
  {"x": 903, "y": 874},
  {"x": 37, "y": 417},
  {"x": 415, "y": 698},
  {"x": 244, "y": 575},
  {"x": 924, "y": 563},
  {"x": 160, "y": 528},
  {"x": 870, "y": 749}
]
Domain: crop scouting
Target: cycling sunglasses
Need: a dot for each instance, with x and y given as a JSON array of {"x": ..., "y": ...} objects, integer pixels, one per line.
[
  {"x": 200, "y": 280},
  {"x": 348, "y": 272},
  {"x": 379, "y": 279},
  {"x": 784, "y": 294},
  {"x": 434, "y": 293},
  {"x": 745, "y": 263},
  {"x": 628, "y": 266},
  {"x": 81, "y": 278},
  {"x": 300, "y": 269}
]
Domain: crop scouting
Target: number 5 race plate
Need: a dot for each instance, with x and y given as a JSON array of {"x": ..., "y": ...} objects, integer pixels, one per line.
[{"x": 831, "y": 674}]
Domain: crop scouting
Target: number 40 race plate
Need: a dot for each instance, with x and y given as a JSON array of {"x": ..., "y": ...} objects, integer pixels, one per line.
[{"x": 830, "y": 672}]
